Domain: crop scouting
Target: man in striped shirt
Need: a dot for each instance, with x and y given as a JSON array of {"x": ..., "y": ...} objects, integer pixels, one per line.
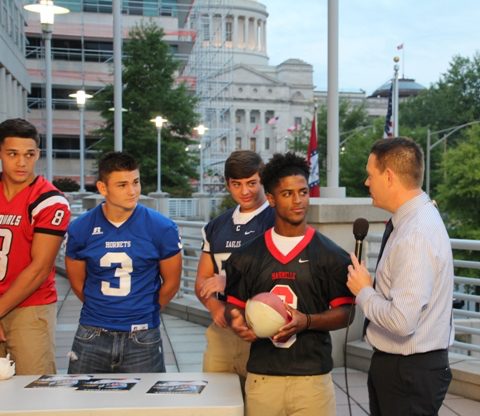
[{"x": 409, "y": 307}]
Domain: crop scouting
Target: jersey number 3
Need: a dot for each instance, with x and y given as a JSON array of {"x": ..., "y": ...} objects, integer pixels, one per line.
[
  {"x": 123, "y": 273},
  {"x": 5, "y": 244}
]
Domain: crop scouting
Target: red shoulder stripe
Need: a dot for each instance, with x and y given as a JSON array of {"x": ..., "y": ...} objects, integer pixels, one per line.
[
  {"x": 237, "y": 302},
  {"x": 335, "y": 303}
]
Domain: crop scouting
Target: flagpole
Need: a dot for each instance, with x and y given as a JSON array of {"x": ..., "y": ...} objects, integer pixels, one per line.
[{"x": 395, "y": 97}]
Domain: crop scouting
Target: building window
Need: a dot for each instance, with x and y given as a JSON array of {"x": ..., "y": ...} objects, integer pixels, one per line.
[
  {"x": 267, "y": 143},
  {"x": 238, "y": 143},
  {"x": 297, "y": 122},
  {"x": 253, "y": 144},
  {"x": 253, "y": 119},
  {"x": 205, "y": 28},
  {"x": 223, "y": 144},
  {"x": 228, "y": 31},
  {"x": 97, "y": 6}
]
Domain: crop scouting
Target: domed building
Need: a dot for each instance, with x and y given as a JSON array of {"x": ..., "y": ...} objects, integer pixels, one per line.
[{"x": 407, "y": 87}]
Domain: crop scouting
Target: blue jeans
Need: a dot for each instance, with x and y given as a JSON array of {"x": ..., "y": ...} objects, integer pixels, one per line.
[{"x": 97, "y": 350}]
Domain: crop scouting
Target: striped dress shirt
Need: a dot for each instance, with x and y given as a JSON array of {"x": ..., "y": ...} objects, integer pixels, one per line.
[{"x": 410, "y": 309}]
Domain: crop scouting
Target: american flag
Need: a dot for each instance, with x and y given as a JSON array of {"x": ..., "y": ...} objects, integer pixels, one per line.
[
  {"x": 388, "y": 130},
  {"x": 273, "y": 121},
  {"x": 312, "y": 159}
]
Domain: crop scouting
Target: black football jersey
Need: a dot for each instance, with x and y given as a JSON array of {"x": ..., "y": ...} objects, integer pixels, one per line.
[{"x": 311, "y": 278}]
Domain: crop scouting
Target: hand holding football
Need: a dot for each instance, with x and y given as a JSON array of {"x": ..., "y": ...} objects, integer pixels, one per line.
[{"x": 265, "y": 313}]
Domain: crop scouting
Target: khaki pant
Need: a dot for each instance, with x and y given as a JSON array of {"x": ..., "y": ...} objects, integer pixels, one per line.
[
  {"x": 225, "y": 352},
  {"x": 289, "y": 395},
  {"x": 30, "y": 333}
]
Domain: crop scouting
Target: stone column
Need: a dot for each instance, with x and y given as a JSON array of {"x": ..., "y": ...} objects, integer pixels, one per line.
[
  {"x": 235, "y": 43},
  {"x": 245, "y": 34},
  {"x": 3, "y": 97}
]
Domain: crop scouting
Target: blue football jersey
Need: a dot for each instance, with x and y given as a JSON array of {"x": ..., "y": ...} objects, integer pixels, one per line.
[
  {"x": 122, "y": 266},
  {"x": 222, "y": 236}
]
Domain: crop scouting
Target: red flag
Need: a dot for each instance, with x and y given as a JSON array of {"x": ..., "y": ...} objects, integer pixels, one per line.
[{"x": 312, "y": 158}]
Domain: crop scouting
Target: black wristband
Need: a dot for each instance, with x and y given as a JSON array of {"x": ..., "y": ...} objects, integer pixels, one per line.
[{"x": 309, "y": 321}]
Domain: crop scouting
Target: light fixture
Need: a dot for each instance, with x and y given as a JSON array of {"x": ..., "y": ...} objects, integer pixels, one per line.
[
  {"x": 81, "y": 97},
  {"x": 47, "y": 11},
  {"x": 159, "y": 122}
]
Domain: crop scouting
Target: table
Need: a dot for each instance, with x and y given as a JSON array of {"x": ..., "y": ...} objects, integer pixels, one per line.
[{"x": 221, "y": 396}]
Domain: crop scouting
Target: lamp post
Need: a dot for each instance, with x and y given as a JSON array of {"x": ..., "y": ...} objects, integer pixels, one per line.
[
  {"x": 447, "y": 133},
  {"x": 81, "y": 98},
  {"x": 47, "y": 11},
  {"x": 201, "y": 130},
  {"x": 159, "y": 122}
]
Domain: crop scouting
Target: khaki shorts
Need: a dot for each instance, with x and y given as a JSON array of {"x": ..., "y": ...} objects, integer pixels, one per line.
[
  {"x": 289, "y": 395},
  {"x": 225, "y": 352},
  {"x": 30, "y": 333}
]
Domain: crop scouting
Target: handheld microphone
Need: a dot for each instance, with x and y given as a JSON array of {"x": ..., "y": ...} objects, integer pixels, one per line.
[{"x": 360, "y": 231}]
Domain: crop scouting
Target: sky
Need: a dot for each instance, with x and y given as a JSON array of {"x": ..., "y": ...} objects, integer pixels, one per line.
[{"x": 432, "y": 33}]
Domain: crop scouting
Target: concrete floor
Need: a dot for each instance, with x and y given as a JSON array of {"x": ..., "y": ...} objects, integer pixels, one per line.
[{"x": 184, "y": 342}]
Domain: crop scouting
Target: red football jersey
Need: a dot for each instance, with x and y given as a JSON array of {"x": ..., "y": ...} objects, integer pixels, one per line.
[{"x": 39, "y": 208}]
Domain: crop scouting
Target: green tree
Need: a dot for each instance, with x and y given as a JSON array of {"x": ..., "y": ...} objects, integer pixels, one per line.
[
  {"x": 148, "y": 75},
  {"x": 453, "y": 100},
  {"x": 459, "y": 194},
  {"x": 351, "y": 117}
]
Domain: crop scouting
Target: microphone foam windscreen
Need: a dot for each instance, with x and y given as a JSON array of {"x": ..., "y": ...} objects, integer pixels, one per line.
[{"x": 360, "y": 228}]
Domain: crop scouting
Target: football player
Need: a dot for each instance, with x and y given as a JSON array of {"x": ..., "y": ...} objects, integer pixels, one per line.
[
  {"x": 225, "y": 352},
  {"x": 124, "y": 263},
  {"x": 34, "y": 216},
  {"x": 309, "y": 272}
]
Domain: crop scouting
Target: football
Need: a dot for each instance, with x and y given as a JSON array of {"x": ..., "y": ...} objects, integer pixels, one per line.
[{"x": 265, "y": 314}]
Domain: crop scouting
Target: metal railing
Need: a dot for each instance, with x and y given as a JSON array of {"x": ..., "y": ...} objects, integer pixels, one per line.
[
  {"x": 466, "y": 293},
  {"x": 466, "y": 312}
]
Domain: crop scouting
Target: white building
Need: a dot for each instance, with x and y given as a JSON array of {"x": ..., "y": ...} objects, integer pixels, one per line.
[
  {"x": 14, "y": 79},
  {"x": 245, "y": 102}
]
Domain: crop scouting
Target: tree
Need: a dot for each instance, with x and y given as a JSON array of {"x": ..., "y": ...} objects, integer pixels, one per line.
[
  {"x": 149, "y": 90},
  {"x": 459, "y": 193},
  {"x": 351, "y": 117},
  {"x": 453, "y": 100}
]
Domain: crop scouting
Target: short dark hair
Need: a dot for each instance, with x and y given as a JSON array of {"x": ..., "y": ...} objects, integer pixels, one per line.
[
  {"x": 242, "y": 164},
  {"x": 115, "y": 162},
  {"x": 403, "y": 156},
  {"x": 282, "y": 165},
  {"x": 18, "y": 127}
]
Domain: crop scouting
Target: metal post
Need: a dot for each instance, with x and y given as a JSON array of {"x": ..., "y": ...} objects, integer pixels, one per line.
[
  {"x": 117, "y": 74},
  {"x": 159, "y": 159},
  {"x": 427, "y": 168},
  {"x": 82, "y": 148},
  {"x": 396, "y": 94},
  {"x": 332, "y": 98},
  {"x": 47, "y": 36},
  {"x": 201, "y": 165}
]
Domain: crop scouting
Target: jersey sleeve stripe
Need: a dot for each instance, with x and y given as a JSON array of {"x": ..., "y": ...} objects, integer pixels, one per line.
[
  {"x": 41, "y": 230},
  {"x": 57, "y": 196},
  {"x": 44, "y": 202},
  {"x": 237, "y": 302},
  {"x": 335, "y": 303}
]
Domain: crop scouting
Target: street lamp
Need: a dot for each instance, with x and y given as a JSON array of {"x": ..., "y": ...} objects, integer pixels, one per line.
[
  {"x": 447, "y": 133},
  {"x": 159, "y": 122},
  {"x": 81, "y": 98},
  {"x": 201, "y": 130},
  {"x": 47, "y": 11}
]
